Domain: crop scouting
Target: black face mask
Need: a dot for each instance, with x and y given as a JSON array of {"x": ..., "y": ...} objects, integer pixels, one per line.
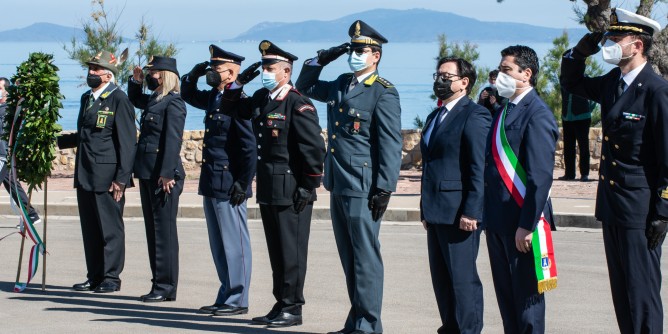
[
  {"x": 151, "y": 82},
  {"x": 93, "y": 81},
  {"x": 442, "y": 89},
  {"x": 213, "y": 79}
]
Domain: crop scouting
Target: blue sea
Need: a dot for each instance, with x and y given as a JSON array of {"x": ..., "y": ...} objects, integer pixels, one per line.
[{"x": 409, "y": 66}]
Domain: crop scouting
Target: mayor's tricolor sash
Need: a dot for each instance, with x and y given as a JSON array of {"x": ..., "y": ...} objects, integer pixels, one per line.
[{"x": 515, "y": 179}]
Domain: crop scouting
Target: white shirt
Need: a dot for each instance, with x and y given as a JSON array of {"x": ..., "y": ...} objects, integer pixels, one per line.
[
  {"x": 448, "y": 107},
  {"x": 629, "y": 77},
  {"x": 97, "y": 93},
  {"x": 517, "y": 99}
]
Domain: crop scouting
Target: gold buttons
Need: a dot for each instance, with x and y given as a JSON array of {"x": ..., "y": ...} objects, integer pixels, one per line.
[
  {"x": 616, "y": 146},
  {"x": 614, "y": 163},
  {"x": 603, "y": 157},
  {"x": 365, "y": 164},
  {"x": 210, "y": 116},
  {"x": 340, "y": 109},
  {"x": 259, "y": 135},
  {"x": 612, "y": 183},
  {"x": 260, "y": 123},
  {"x": 606, "y": 138},
  {"x": 157, "y": 150},
  {"x": 259, "y": 146},
  {"x": 207, "y": 130},
  {"x": 203, "y": 160},
  {"x": 337, "y": 123},
  {"x": 332, "y": 150},
  {"x": 203, "y": 145},
  {"x": 333, "y": 136},
  {"x": 259, "y": 157},
  {"x": 602, "y": 177}
]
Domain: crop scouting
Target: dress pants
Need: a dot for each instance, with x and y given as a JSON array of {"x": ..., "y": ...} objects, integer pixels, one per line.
[
  {"x": 356, "y": 235},
  {"x": 635, "y": 279},
  {"x": 161, "y": 235},
  {"x": 103, "y": 235},
  {"x": 576, "y": 131},
  {"x": 454, "y": 275},
  {"x": 287, "y": 233},
  {"x": 231, "y": 250},
  {"x": 514, "y": 275}
]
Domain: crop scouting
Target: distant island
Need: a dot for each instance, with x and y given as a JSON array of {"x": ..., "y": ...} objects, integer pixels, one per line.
[{"x": 408, "y": 26}]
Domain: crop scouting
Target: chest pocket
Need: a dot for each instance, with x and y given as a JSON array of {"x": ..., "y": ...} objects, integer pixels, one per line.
[
  {"x": 358, "y": 121},
  {"x": 216, "y": 124},
  {"x": 152, "y": 120}
]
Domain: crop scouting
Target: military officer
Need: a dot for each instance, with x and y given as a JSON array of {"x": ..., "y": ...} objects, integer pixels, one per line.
[
  {"x": 290, "y": 155},
  {"x": 159, "y": 169},
  {"x": 105, "y": 141},
  {"x": 632, "y": 197},
  {"x": 362, "y": 164},
  {"x": 228, "y": 166}
]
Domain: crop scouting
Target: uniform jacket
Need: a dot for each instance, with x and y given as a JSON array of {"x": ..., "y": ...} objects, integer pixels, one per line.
[
  {"x": 3, "y": 144},
  {"x": 633, "y": 184},
  {"x": 161, "y": 134},
  {"x": 364, "y": 129},
  {"x": 106, "y": 141},
  {"x": 290, "y": 148},
  {"x": 228, "y": 148},
  {"x": 532, "y": 134},
  {"x": 453, "y": 164}
]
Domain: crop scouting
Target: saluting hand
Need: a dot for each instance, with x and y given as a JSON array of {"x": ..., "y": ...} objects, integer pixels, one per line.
[
  {"x": 117, "y": 190},
  {"x": 327, "y": 56},
  {"x": 523, "y": 240},
  {"x": 199, "y": 69},
  {"x": 588, "y": 44},
  {"x": 249, "y": 74},
  {"x": 138, "y": 74}
]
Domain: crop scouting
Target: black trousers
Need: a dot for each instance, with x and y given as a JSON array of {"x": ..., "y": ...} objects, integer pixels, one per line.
[
  {"x": 161, "y": 235},
  {"x": 514, "y": 275},
  {"x": 635, "y": 279},
  {"x": 454, "y": 275},
  {"x": 287, "y": 233},
  {"x": 576, "y": 131},
  {"x": 16, "y": 190},
  {"x": 103, "y": 235}
]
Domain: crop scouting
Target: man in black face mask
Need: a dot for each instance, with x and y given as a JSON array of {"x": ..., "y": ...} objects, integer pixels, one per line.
[
  {"x": 453, "y": 151},
  {"x": 228, "y": 165},
  {"x": 105, "y": 141}
]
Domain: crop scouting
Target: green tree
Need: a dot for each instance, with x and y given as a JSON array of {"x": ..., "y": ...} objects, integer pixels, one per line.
[
  {"x": 547, "y": 83},
  {"x": 150, "y": 46}
]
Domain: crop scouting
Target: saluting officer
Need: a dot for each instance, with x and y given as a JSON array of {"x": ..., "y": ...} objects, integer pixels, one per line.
[
  {"x": 159, "y": 169},
  {"x": 290, "y": 155},
  {"x": 106, "y": 142},
  {"x": 228, "y": 166},
  {"x": 632, "y": 197},
  {"x": 362, "y": 164}
]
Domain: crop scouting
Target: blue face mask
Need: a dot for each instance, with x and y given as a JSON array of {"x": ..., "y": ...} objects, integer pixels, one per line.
[
  {"x": 269, "y": 80},
  {"x": 357, "y": 63}
]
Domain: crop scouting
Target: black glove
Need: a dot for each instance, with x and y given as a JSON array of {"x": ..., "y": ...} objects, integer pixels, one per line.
[
  {"x": 588, "y": 45},
  {"x": 656, "y": 232},
  {"x": 199, "y": 69},
  {"x": 327, "y": 56},
  {"x": 238, "y": 195},
  {"x": 249, "y": 74},
  {"x": 301, "y": 197},
  {"x": 378, "y": 203}
]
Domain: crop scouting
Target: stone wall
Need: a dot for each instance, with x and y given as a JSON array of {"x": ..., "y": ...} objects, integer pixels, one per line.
[{"x": 191, "y": 152}]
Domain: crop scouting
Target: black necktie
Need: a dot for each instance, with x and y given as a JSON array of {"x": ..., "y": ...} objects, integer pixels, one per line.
[
  {"x": 438, "y": 120},
  {"x": 620, "y": 88}
]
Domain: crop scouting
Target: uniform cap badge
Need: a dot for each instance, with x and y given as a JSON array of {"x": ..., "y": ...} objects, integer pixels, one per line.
[{"x": 264, "y": 47}]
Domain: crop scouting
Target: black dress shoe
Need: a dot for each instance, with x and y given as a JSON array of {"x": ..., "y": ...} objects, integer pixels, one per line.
[
  {"x": 156, "y": 298},
  {"x": 107, "y": 287},
  {"x": 210, "y": 309},
  {"x": 85, "y": 286},
  {"x": 263, "y": 320},
  {"x": 285, "y": 319},
  {"x": 230, "y": 310},
  {"x": 566, "y": 178},
  {"x": 343, "y": 331},
  {"x": 584, "y": 178}
]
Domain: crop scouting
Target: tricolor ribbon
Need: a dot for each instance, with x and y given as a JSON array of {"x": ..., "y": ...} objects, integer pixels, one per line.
[{"x": 515, "y": 178}]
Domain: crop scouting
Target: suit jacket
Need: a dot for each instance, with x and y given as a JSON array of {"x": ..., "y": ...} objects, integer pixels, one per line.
[
  {"x": 633, "y": 184},
  {"x": 290, "y": 148},
  {"x": 228, "y": 148},
  {"x": 161, "y": 134},
  {"x": 3, "y": 144},
  {"x": 106, "y": 141},
  {"x": 454, "y": 163},
  {"x": 364, "y": 129},
  {"x": 532, "y": 134}
]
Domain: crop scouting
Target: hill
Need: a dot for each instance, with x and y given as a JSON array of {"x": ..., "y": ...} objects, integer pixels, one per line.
[
  {"x": 41, "y": 32},
  {"x": 412, "y": 25}
]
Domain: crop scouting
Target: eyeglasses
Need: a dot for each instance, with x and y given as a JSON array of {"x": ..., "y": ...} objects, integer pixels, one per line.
[
  {"x": 444, "y": 76},
  {"x": 359, "y": 51}
]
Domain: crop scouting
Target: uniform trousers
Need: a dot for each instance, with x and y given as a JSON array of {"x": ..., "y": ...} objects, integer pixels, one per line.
[
  {"x": 514, "y": 275},
  {"x": 231, "y": 250},
  {"x": 576, "y": 131},
  {"x": 103, "y": 235},
  {"x": 454, "y": 275},
  {"x": 287, "y": 233},
  {"x": 356, "y": 235},
  {"x": 635, "y": 279},
  {"x": 161, "y": 235}
]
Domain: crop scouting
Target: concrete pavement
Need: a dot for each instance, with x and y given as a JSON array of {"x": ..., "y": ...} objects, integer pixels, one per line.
[{"x": 581, "y": 303}]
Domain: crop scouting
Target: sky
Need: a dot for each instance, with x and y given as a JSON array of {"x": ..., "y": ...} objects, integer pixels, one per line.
[{"x": 183, "y": 21}]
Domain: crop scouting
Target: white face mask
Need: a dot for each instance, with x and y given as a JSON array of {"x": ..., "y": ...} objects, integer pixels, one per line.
[
  {"x": 506, "y": 85},
  {"x": 613, "y": 53}
]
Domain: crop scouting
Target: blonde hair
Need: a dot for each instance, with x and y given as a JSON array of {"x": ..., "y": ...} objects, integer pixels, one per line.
[{"x": 170, "y": 83}]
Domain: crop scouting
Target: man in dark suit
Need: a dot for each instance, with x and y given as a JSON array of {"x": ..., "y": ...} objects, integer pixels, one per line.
[
  {"x": 228, "y": 166},
  {"x": 290, "y": 155},
  {"x": 632, "y": 197},
  {"x": 453, "y": 155},
  {"x": 362, "y": 164},
  {"x": 531, "y": 134},
  {"x": 105, "y": 140}
]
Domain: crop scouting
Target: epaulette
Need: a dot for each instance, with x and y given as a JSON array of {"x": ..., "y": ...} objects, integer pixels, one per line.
[
  {"x": 296, "y": 91},
  {"x": 384, "y": 82}
]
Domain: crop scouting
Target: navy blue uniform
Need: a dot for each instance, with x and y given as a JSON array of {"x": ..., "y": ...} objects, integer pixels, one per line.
[{"x": 452, "y": 186}]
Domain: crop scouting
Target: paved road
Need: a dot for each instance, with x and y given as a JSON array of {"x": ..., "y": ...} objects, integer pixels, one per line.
[{"x": 581, "y": 304}]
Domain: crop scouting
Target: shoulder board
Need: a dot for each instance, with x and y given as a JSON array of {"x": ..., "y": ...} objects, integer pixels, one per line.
[
  {"x": 384, "y": 82},
  {"x": 106, "y": 94},
  {"x": 294, "y": 90}
]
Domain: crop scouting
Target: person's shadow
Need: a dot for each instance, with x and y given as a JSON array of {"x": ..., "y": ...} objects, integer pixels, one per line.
[{"x": 128, "y": 309}]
